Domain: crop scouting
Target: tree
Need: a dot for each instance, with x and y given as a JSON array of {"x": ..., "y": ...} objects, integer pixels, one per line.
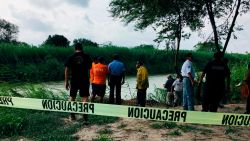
[
  {"x": 168, "y": 18},
  {"x": 206, "y": 46},
  {"x": 8, "y": 31},
  {"x": 57, "y": 40},
  {"x": 228, "y": 10},
  {"x": 85, "y": 42}
]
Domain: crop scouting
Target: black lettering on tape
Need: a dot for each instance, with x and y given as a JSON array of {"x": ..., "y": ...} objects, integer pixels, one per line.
[
  {"x": 58, "y": 103},
  {"x": 44, "y": 103},
  {"x": 146, "y": 113},
  {"x": 157, "y": 114},
  {"x": 137, "y": 112},
  {"x": 171, "y": 115},
  {"x": 92, "y": 108},
  {"x": 81, "y": 107},
  {"x": 177, "y": 116},
  {"x": 130, "y": 112},
  {"x": 184, "y": 115},
  {"x": 85, "y": 108},
  {"x": 6, "y": 101},
  {"x": 152, "y": 114},
  {"x": 165, "y": 115},
  {"x": 74, "y": 108},
  {"x": 235, "y": 120}
]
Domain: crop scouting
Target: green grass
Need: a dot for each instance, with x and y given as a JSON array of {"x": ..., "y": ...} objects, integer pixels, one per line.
[
  {"x": 231, "y": 130},
  {"x": 105, "y": 131},
  {"x": 43, "y": 125},
  {"x": 192, "y": 128},
  {"x": 162, "y": 125},
  {"x": 122, "y": 125},
  {"x": 102, "y": 138},
  {"x": 175, "y": 133},
  {"x": 39, "y": 125}
]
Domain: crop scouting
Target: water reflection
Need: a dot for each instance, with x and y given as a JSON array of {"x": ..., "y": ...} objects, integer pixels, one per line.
[{"x": 128, "y": 89}]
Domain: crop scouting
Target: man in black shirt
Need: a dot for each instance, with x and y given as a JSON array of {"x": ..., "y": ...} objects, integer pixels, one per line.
[
  {"x": 216, "y": 72},
  {"x": 78, "y": 66},
  {"x": 169, "y": 82}
]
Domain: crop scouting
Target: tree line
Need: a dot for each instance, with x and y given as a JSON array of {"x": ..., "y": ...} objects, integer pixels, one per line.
[{"x": 9, "y": 34}]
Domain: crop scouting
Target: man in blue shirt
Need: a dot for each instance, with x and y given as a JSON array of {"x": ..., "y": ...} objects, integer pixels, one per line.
[{"x": 116, "y": 79}]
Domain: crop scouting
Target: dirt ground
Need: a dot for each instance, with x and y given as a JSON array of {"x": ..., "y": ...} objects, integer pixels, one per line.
[{"x": 141, "y": 130}]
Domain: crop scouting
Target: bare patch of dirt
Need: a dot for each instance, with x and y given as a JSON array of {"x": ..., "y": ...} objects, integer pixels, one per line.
[{"x": 141, "y": 130}]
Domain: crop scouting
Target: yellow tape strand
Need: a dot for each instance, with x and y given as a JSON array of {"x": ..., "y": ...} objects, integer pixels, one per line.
[{"x": 127, "y": 111}]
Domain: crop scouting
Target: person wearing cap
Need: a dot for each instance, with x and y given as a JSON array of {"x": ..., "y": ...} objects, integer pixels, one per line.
[
  {"x": 216, "y": 72},
  {"x": 247, "y": 80},
  {"x": 142, "y": 83},
  {"x": 116, "y": 79},
  {"x": 188, "y": 74},
  {"x": 78, "y": 66},
  {"x": 99, "y": 73}
]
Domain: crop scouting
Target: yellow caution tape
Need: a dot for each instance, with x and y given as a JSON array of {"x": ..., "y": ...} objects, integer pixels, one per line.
[{"x": 134, "y": 112}]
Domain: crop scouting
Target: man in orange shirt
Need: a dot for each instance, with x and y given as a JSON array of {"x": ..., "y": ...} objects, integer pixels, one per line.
[
  {"x": 95, "y": 61},
  {"x": 99, "y": 73}
]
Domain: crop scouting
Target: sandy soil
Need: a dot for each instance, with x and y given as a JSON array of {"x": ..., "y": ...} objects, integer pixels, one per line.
[{"x": 141, "y": 130}]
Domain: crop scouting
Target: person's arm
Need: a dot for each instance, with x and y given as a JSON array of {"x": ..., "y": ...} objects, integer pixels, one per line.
[
  {"x": 173, "y": 85},
  {"x": 109, "y": 74},
  {"x": 191, "y": 78},
  {"x": 91, "y": 75},
  {"x": 123, "y": 78},
  {"x": 66, "y": 73},
  {"x": 201, "y": 78},
  {"x": 139, "y": 79},
  {"x": 123, "y": 74}
]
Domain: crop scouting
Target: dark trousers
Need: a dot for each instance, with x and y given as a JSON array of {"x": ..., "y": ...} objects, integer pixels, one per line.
[
  {"x": 115, "y": 85},
  {"x": 248, "y": 105},
  {"x": 211, "y": 99},
  {"x": 141, "y": 97}
]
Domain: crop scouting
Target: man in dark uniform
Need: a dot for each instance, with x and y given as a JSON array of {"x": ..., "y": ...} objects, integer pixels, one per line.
[
  {"x": 216, "y": 72},
  {"x": 78, "y": 65},
  {"x": 247, "y": 81}
]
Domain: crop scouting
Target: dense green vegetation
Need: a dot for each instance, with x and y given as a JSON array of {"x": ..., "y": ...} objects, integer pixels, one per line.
[
  {"x": 46, "y": 63},
  {"x": 39, "y": 125},
  {"x": 24, "y": 63}
]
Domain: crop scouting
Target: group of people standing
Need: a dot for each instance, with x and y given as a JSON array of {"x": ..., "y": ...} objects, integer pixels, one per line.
[
  {"x": 79, "y": 67},
  {"x": 217, "y": 83}
]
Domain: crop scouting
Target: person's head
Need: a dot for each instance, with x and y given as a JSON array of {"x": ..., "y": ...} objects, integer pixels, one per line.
[
  {"x": 95, "y": 59},
  {"x": 218, "y": 55},
  {"x": 101, "y": 59},
  {"x": 78, "y": 47},
  {"x": 179, "y": 76},
  {"x": 116, "y": 57},
  {"x": 189, "y": 56},
  {"x": 138, "y": 64},
  {"x": 169, "y": 76}
]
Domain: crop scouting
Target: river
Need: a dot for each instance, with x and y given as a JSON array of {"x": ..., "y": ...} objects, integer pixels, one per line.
[{"x": 128, "y": 89}]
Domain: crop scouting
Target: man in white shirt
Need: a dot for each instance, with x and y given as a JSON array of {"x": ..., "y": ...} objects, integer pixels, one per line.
[{"x": 188, "y": 73}]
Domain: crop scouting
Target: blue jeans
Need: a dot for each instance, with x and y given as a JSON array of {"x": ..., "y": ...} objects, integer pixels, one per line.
[{"x": 188, "y": 97}]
